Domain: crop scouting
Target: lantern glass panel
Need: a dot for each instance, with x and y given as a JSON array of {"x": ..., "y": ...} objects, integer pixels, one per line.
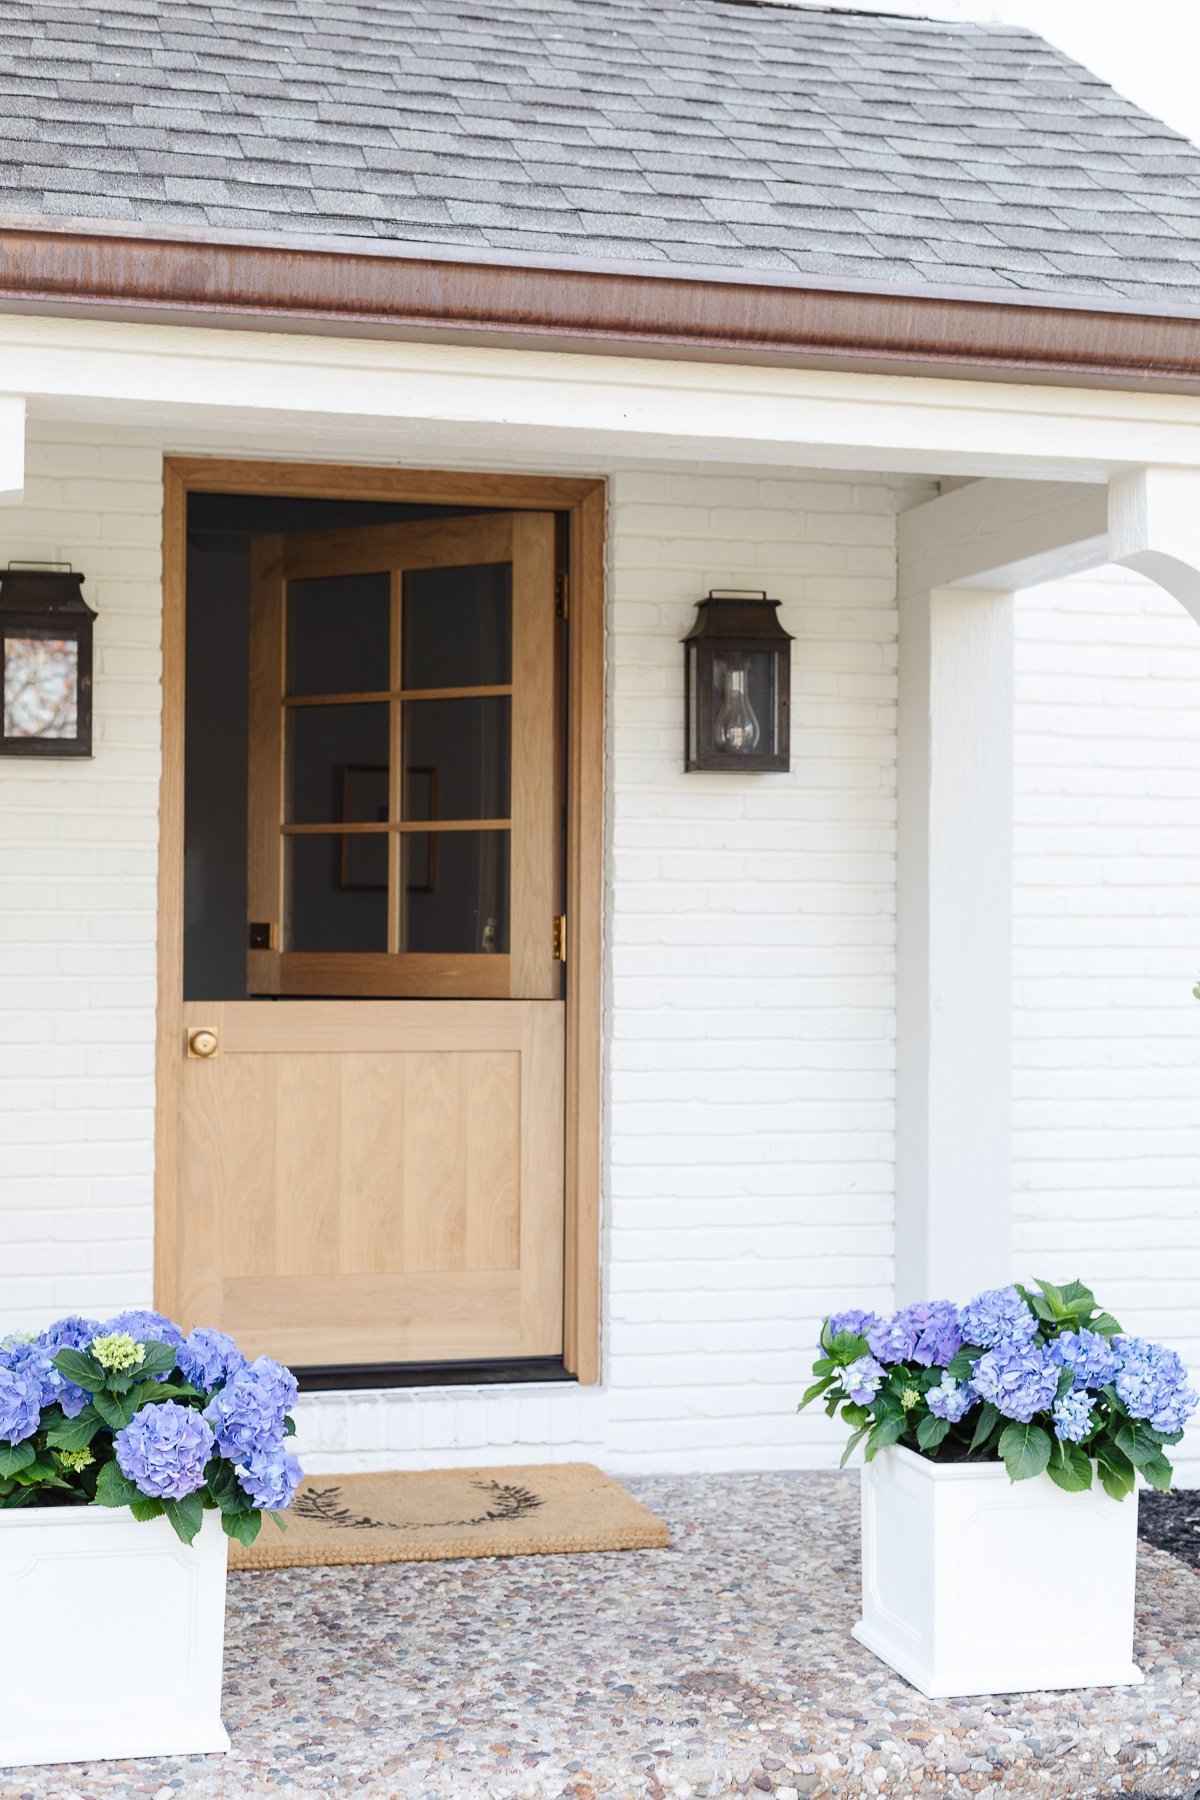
[
  {"x": 745, "y": 703},
  {"x": 41, "y": 687}
]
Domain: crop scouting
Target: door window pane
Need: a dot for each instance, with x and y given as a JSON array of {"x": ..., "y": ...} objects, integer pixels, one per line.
[
  {"x": 337, "y": 764},
  {"x": 457, "y": 629},
  {"x": 454, "y": 891},
  {"x": 337, "y": 891},
  {"x": 456, "y": 758},
  {"x": 338, "y": 634}
]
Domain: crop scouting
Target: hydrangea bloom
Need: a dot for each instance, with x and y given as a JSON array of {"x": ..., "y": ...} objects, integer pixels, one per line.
[
  {"x": 926, "y": 1333},
  {"x": 861, "y": 1378},
  {"x": 950, "y": 1399},
  {"x": 1018, "y": 1378},
  {"x": 206, "y": 1358},
  {"x": 247, "y": 1414},
  {"x": 854, "y": 1320},
  {"x": 20, "y": 1405},
  {"x": 164, "y": 1449},
  {"x": 1073, "y": 1416},
  {"x": 271, "y": 1479},
  {"x": 117, "y": 1352},
  {"x": 1090, "y": 1357},
  {"x": 999, "y": 1316},
  {"x": 147, "y": 1327},
  {"x": 1153, "y": 1385},
  {"x": 940, "y": 1340},
  {"x": 895, "y": 1340},
  {"x": 71, "y": 1333}
]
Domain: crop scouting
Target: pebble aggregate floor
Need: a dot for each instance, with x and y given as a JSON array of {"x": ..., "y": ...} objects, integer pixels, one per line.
[{"x": 723, "y": 1665}]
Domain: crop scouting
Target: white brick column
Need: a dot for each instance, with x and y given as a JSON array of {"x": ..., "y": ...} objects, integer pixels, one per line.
[{"x": 954, "y": 930}]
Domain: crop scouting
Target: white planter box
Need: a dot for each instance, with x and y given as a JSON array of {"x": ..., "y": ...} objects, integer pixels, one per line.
[
  {"x": 974, "y": 1585},
  {"x": 113, "y": 1635}
]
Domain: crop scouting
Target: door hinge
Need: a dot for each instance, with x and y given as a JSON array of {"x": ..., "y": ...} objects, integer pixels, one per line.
[
  {"x": 562, "y": 588},
  {"x": 558, "y": 938}
]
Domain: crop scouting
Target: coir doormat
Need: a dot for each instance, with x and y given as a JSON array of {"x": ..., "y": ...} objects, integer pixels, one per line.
[{"x": 438, "y": 1514}]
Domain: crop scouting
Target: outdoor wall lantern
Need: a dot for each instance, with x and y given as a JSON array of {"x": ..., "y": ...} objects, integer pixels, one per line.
[
  {"x": 738, "y": 661},
  {"x": 46, "y": 627}
]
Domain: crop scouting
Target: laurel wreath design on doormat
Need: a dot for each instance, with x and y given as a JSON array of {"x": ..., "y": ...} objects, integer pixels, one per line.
[{"x": 323, "y": 1506}]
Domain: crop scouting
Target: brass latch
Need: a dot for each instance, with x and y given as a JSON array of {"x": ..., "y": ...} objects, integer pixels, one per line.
[
  {"x": 202, "y": 1043},
  {"x": 558, "y": 938}
]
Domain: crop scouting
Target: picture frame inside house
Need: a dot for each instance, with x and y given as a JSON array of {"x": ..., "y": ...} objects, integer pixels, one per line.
[{"x": 45, "y": 662}]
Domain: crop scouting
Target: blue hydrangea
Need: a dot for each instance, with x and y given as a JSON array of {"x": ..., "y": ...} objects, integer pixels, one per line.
[
  {"x": 853, "y": 1320},
  {"x": 951, "y": 1399},
  {"x": 29, "y": 1357},
  {"x": 1091, "y": 1358},
  {"x": 247, "y": 1414},
  {"x": 999, "y": 1316},
  {"x": 147, "y": 1328},
  {"x": 164, "y": 1449},
  {"x": 20, "y": 1405},
  {"x": 895, "y": 1340},
  {"x": 1153, "y": 1384},
  {"x": 72, "y": 1333},
  {"x": 1018, "y": 1378},
  {"x": 271, "y": 1479},
  {"x": 939, "y": 1340},
  {"x": 1073, "y": 1416},
  {"x": 207, "y": 1358},
  {"x": 862, "y": 1377},
  {"x": 925, "y": 1333}
]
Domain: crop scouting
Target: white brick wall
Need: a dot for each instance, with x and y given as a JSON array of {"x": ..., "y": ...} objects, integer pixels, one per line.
[
  {"x": 77, "y": 899},
  {"x": 750, "y": 991},
  {"x": 1107, "y": 903}
]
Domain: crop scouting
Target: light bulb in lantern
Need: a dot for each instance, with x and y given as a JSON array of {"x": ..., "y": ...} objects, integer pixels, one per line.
[{"x": 736, "y": 727}]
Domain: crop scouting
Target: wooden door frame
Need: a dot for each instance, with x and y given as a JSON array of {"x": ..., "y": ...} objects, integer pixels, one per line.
[{"x": 583, "y": 500}]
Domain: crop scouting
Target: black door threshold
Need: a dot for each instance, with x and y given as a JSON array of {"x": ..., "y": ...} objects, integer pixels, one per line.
[{"x": 325, "y": 1378}]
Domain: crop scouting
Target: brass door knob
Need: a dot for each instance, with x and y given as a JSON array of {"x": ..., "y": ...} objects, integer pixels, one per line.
[{"x": 202, "y": 1042}]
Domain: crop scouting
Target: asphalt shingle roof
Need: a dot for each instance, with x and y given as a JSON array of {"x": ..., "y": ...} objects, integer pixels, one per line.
[{"x": 697, "y": 132}]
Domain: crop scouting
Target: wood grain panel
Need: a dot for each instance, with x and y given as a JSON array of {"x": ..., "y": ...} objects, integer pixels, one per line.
[
  {"x": 384, "y": 1175},
  {"x": 370, "y": 549},
  {"x": 414, "y": 975},
  {"x": 352, "y": 481},
  {"x": 536, "y": 825}
]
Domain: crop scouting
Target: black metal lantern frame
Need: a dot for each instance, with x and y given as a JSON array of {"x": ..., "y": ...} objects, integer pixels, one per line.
[
  {"x": 738, "y": 666},
  {"x": 45, "y": 661}
]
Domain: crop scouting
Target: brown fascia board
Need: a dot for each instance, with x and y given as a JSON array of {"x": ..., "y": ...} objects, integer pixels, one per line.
[{"x": 117, "y": 271}]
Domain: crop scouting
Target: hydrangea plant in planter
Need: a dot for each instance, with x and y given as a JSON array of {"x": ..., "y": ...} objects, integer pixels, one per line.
[
  {"x": 129, "y": 1455},
  {"x": 1004, "y": 1441}
]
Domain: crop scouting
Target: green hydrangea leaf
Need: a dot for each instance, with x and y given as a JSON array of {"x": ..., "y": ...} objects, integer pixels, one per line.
[
  {"x": 961, "y": 1365},
  {"x": 159, "y": 1359},
  {"x": 931, "y": 1431},
  {"x": 1026, "y": 1451},
  {"x": 817, "y": 1388},
  {"x": 847, "y": 1453},
  {"x": 81, "y": 1368},
  {"x": 1116, "y": 1471},
  {"x": 886, "y": 1431},
  {"x": 186, "y": 1516},
  {"x": 1139, "y": 1442},
  {"x": 1070, "y": 1467},
  {"x": 1158, "y": 1473},
  {"x": 112, "y": 1489},
  {"x": 116, "y": 1412},
  {"x": 76, "y": 1433},
  {"x": 144, "y": 1508},
  {"x": 279, "y": 1520},
  {"x": 986, "y": 1423},
  {"x": 14, "y": 1457},
  {"x": 242, "y": 1526}
]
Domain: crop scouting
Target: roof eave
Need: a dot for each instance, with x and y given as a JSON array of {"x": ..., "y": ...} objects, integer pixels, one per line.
[{"x": 117, "y": 270}]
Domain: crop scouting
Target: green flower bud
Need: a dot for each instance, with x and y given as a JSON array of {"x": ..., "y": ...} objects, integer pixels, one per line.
[{"x": 118, "y": 1352}]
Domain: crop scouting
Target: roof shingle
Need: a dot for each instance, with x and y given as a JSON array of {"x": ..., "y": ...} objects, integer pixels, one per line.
[{"x": 765, "y": 137}]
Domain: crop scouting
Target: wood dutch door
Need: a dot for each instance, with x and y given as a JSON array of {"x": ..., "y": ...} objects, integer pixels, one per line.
[{"x": 371, "y": 1154}]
